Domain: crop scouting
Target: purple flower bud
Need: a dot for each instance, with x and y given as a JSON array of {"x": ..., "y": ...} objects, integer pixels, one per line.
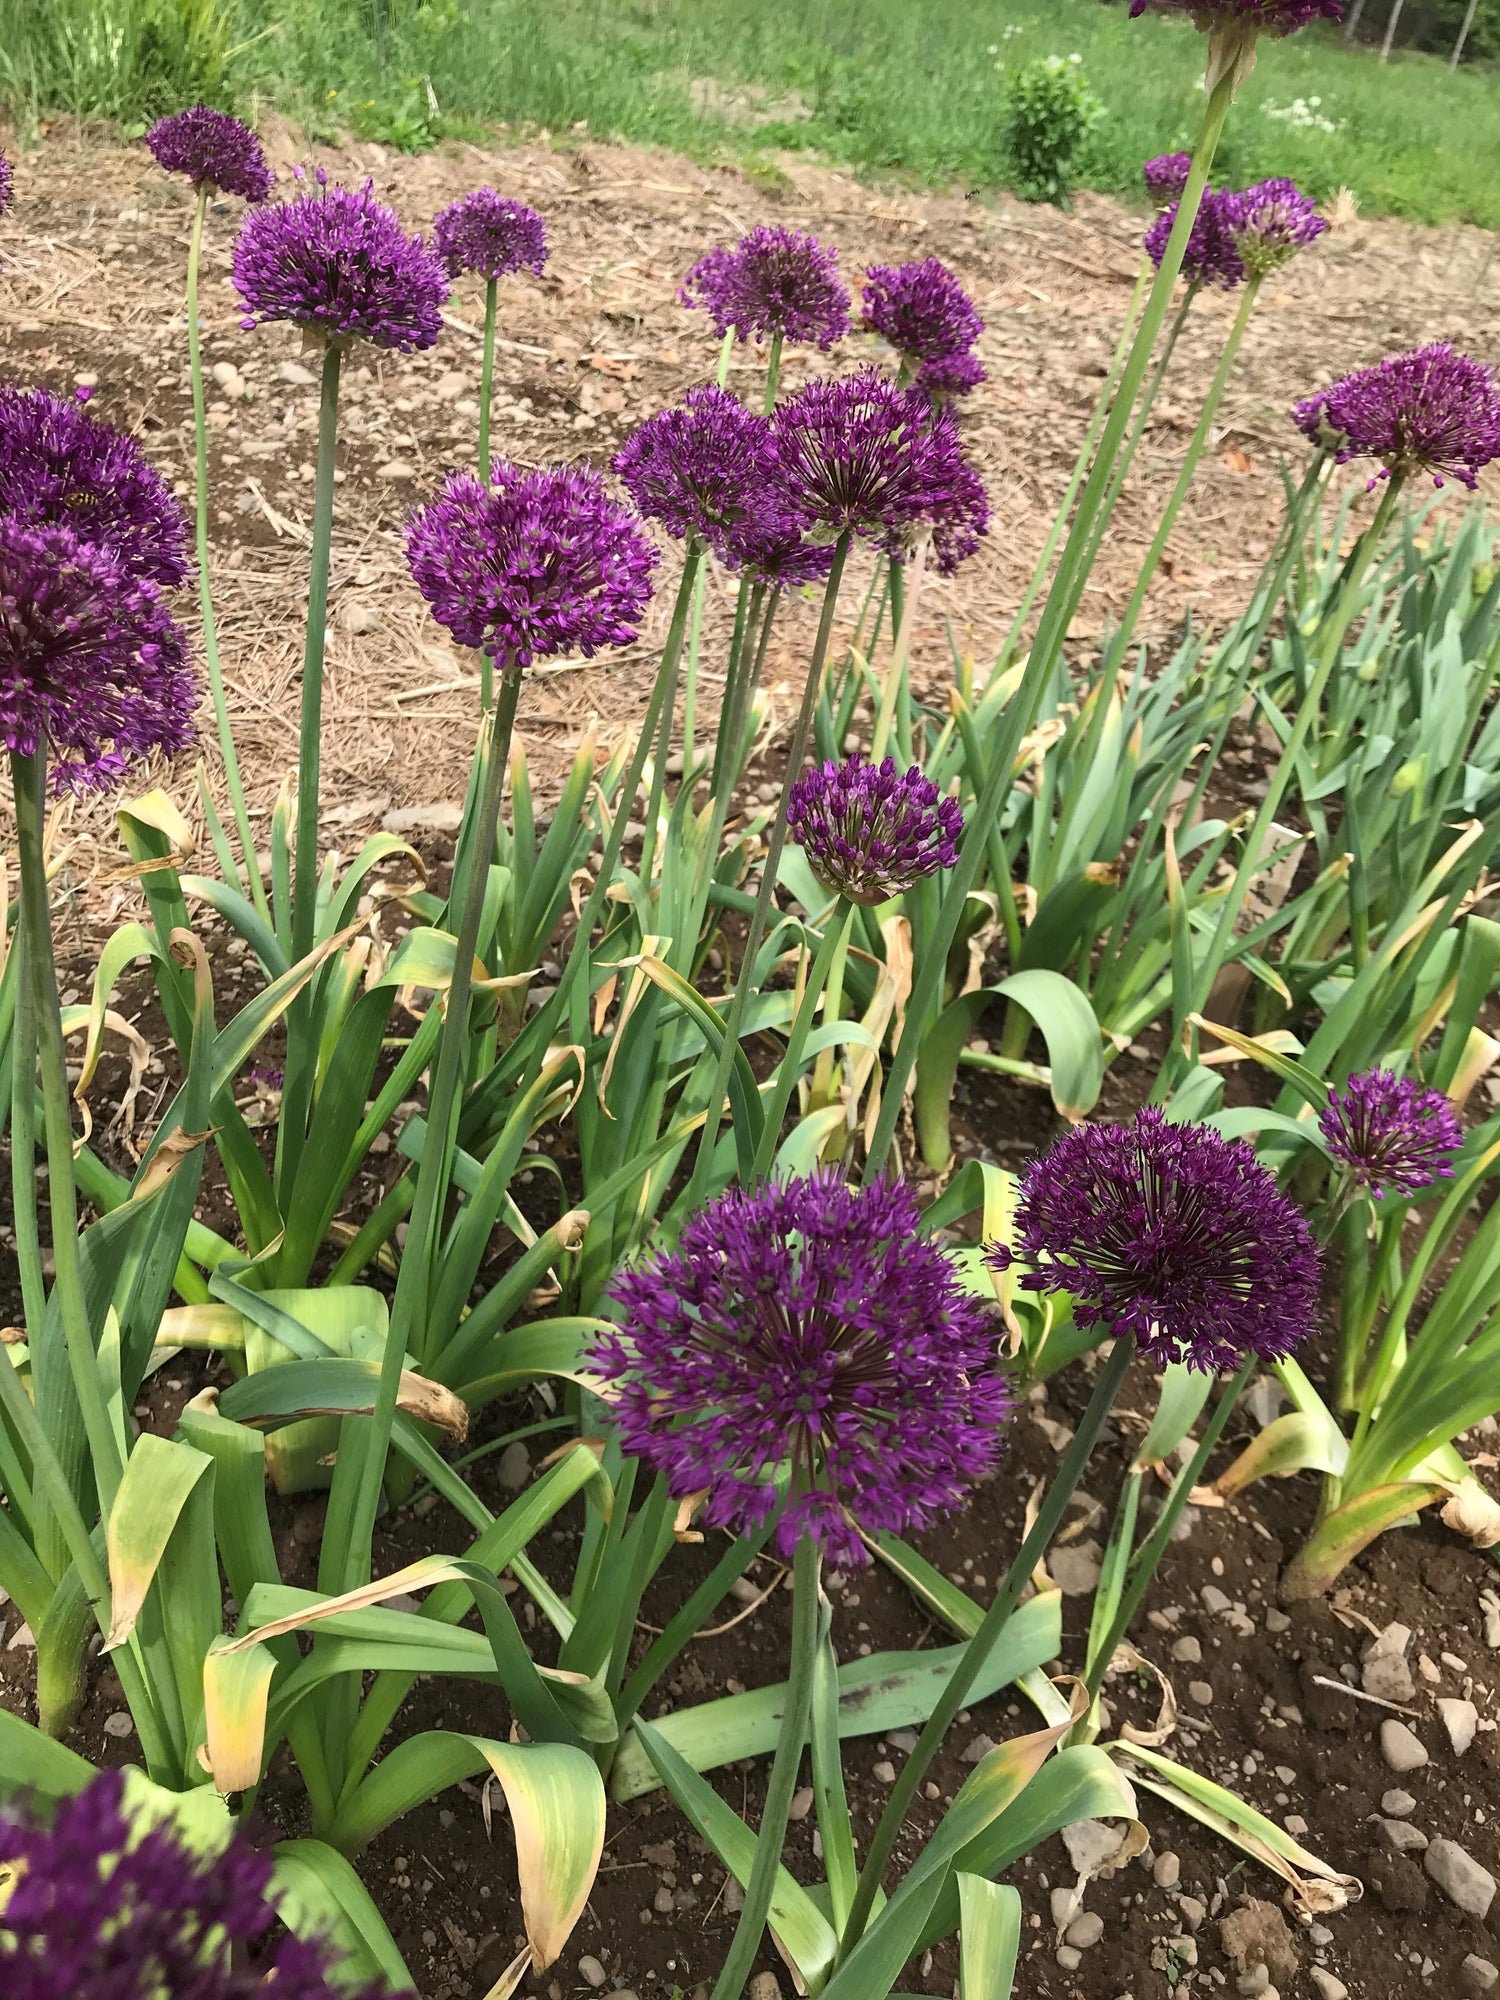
[
  {"x": 708, "y": 471},
  {"x": 213, "y": 150},
  {"x": 870, "y": 831},
  {"x": 861, "y": 454},
  {"x": 1432, "y": 411},
  {"x": 60, "y": 467},
  {"x": 927, "y": 316},
  {"x": 542, "y": 562},
  {"x": 99, "y": 1909},
  {"x": 1212, "y": 256},
  {"x": 1391, "y": 1133},
  {"x": 774, "y": 281},
  {"x": 490, "y": 234},
  {"x": 1170, "y": 1233},
  {"x": 1167, "y": 176},
  {"x": 341, "y": 265},
  {"x": 7, "y": 184},
  {"x": 1269, "y": 223},
  {"x": 811, "y": 1326},
  {"x": 1276, "y": 17},
  {"x": 92, "y": 666}
]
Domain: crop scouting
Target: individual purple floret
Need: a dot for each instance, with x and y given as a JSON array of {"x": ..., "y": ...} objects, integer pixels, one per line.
[
  {"x": 1391, "y": 1133},
  {"x": 1212, "y": 257},
  {"x": 1433, "y": 410},
  {"x": 808, "y": 1326},
  {"x": 101, "y": 1909},
  {"x": 1167, "y": 176},
  {"x": 1276, "y": 17},
  {"x": 7, "y": 184},
  {"x": 708, "y": 471},
  {"x": 213, "y": 150},
  {"x": 865, "y": 456},
  {"x": 870, "y": 831},
  {"x": 952, "y": 375},
  {"x": 490, "y": 234},
  {"x": 921, "y": 309},
  {"x": 774, "y": 281},
  {"x": 541, "y": 562},
  {"x": 1269, "y": 223},
  {"x": 93, "y": 667},
  {"x": 340, "y": 264},
  {"x": 1170, "y": 1233},
  {"x": 61, "y": 467}
]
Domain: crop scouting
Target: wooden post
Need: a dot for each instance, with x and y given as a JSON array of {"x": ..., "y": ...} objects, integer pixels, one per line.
[
  {"x": 1351, "y": 25},
  {"x": 1390, "y": 29},
  {"x": 1463, "y": 34}
]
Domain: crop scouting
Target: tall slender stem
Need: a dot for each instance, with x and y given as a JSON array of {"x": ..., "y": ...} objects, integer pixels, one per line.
[
  {"x": 28, "y": 779},
  {"x": 961, "y": 1680},
  {"x": 407, "y": 1321},
  {"x": 745, "y": 674},
  {"x": 776, "y": 1812},
  {"x": 23, "y": 1144},
  {"x": 835, "y": 932},
  {"x": 901, "y": 651},
  {"x": 309, "y": 740},
  {"x": 1189, "y": 470},
  {"x": 774, "y": 847},
  {"x": 205, "y": 593},
  {"x": 773, "y": 372},
  {"x": 1056, "y": 616},
  {"x": 486, "y": 392}
]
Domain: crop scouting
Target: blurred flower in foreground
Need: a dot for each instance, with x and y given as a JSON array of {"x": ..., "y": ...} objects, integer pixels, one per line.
[
  {"x": 1270, "y": 223},
  {"x": 1433, "y": 410},
  {"x": 490, "y": 234},
  {"x": 870, "y": 831},
  {"x": 213, "y": 151},
  {"x": 539, "y": 563},
  {"x": 808, "y": 1327},
  {"x": 1390, "y": 1133},
  {"x": 1277, "y": 17},
  {"x": 340, "y": 265},
  {"x": 774, "y": 281},
  {"x": 1212, "y": 256},
  {"x": 1166, "y": 176},
  {"x": 1171, "y": 1234}
]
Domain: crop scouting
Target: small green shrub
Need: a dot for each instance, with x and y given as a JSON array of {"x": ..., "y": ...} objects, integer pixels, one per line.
[{"x": 1051, "y": 113}]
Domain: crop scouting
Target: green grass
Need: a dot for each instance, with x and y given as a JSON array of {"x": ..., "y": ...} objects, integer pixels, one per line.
[{"x": 906, "y": 87}]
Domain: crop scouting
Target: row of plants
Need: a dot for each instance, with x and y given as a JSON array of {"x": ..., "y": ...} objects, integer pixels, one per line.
[{"x": 769, "y": 1309}]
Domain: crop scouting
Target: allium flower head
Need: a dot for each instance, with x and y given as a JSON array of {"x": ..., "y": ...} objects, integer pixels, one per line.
[
  {"x": 7, "y": 184},
  {"x": 1170, "y": 1233},
  {"x": 92, "y": 665},
  {"x": 808, "y": 1325},
  {"x": 862, "y": 454},
  {"x": 101, "y": 1909},
  {"x": 951, "y": 375},
  {"x": 1212, "y": 256},
  {"x": 1166, "y": 176},
  {"x": 61, "y": 467},
  {"x": 921, "y": 309},
  {"x": 539, "y": 563},
  {"x": 773, "y": 281},
  {"x": 870, "y": 831},
  {"x": 707, "y": 469},
  {"x": 1275, "y": 17},
  {"x": 213, "y": 150},
  {"x": 1270, "y": 223},
  {"x": 1432, "y": 410},
  {"x": 339, "y": 264},
  {"x": 490, "y": 234},
  {"x": 776, "y": 553},
  {"x": 1391, "y": 1133}
]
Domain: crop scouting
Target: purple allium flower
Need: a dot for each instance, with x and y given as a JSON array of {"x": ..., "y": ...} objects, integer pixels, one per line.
[
  {"x": 921, "y": 309},
  {"x": 92, "y": 664},
  {"x": 1276, "y": 17},
  {"x": 1432, "y": 410},
  {"x": 491, "y": 234},
  {"x": 1270, "y": 223},
  {"x": 808, "y": 1324},
  {"x": 340, "y": 264},
  {"x": 776, "y": 554},
  {"x": 773, "y": 281},
  {"x": 1391, "y": 1132},
  {"x": 870, "y": 831},
  {"x": 1212, "y": 256},
  {"x": 539, "y": 563},
  {"x": 708, "y": 471},
  {"x": 1170, "y": 1233},
  {"x": 952, "y": 375},
  {"x": 862, "y": 454},
  {"x": 7, "y": 183},
  {"x": 213, "y": 150},
  {"x": 100, "y": 1909},
  {"x": 61, "y": 467},
  {"x": 1167, "y": 176}
]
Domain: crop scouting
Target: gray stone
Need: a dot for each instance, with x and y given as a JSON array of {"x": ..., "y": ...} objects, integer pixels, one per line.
[
  {"x": 296, "y": 374},
  {"x": 1215, "y": 1600},
  {"x": 1461, "y": 1720},
  {"x": 591, "y": 1971},
  {"x": 662, "y": 1901},
  {"x": 1063, "y": 1902},
  {"x": 1192, "y": 1912},
  {"x": 801, "y": 1804},
  {"x": 1277, "y": 1621},
  {"x": 1328, "y": 1987},
  {"x": 904, "y": 1740},
  {"x": 765, "y": 1986},
  {"x": 1388, "y": 1678},
  {"x": 1401, "y": 1747},
  {"x": 1200, "y": 1692},
  {"x": 118, "y": 1725},
  {"x": 1085, "y": 1931},
  {"x": 22, "y": 1640},
  {"x": 1402, "y": 1837},
  {"x": 1188, "y": 1651},
  {"x": 1069, "y": 1958},
  {"x": 1480, "y": 1976},
  {"x": 1076, "y": 1570},
  {"x": 979, "y": 1748},
  {"x": 442, "y": 817},
  {"x": 884, "y": 1772},
  {"x": 1091, "y": 1844},
  {"x": 1166, "y": 1871},
  {"x": 1398, "y": 1805},
  {"x": 1489, "y": 1604},
  {"x": 514, "y": 1468},
  {"x": 1460, "y": 1877}
]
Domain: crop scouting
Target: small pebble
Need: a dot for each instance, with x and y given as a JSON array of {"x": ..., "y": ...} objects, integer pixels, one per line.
[
  {"x": 1296, "y": 1825},
  {"x": 1200, "y": 1692},
  {"x": 1068, "y": 1958},
  {"x": 1480, "y": 1974},
  {"x": 591, "y": 1971},
  {"x": 1401, "y": 1747},
  {"x": 118, "y": 1725},
  {"x": 1256, "y": 1980},
  {"x": 1461, "y": 1720},
  {"x": 1214, "y": 1599},
  {"x": 1085, "y": 1931},
  {"x": 884, "y": 1772},
  {"x": 1166, "y": 1872},
  {"x": 801, "y": 1804},
  {"x": 1398, "y": 1805},
  {"x": 1188, "y": 1651},
  {"x": 765, "y": 1986},
  {"x": 1328, "y": 1987},
  {"x": 1277, "y": 1621},
  {"x": 1192, "y": 1911}
]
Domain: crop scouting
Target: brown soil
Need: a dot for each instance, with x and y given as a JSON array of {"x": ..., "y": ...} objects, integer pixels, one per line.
[{"x": 90, "y": 288}]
